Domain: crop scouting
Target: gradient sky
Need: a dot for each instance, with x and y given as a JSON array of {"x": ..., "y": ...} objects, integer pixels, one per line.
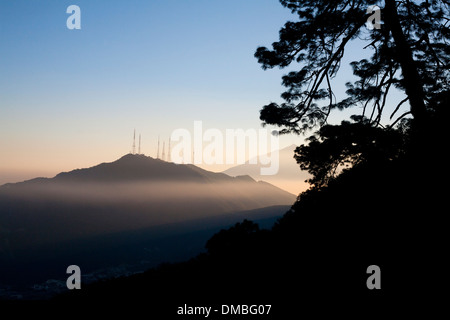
[{"x": 72, "y": 98}]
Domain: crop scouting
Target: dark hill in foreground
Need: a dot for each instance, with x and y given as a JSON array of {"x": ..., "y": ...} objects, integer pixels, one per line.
[{"x": 38, "y": 272}]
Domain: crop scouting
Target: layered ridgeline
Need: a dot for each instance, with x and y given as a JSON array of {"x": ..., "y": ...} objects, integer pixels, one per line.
[
  {"x": 116, "y": 201},
  {"x": 289, "y": 176}
]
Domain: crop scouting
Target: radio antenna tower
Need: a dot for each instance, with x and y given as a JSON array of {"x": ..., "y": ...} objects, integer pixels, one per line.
[
  {"x": 133, "y": 150},
  {"x": 139, "y": 149},
  {"x": 157, "y": 154},
  {"x": 169, "y": 153}
]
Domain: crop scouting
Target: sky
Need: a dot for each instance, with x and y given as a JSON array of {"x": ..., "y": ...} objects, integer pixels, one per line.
[{"x": 73, "y": 98}]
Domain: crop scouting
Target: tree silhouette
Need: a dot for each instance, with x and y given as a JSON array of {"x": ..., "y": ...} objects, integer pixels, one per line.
[
  {"x": 335, "y": 148},
  {"x": 409, "y": 52}
]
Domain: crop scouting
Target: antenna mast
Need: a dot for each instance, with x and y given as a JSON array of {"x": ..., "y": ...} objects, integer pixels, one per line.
[
  {"x": 157, "y": 154},
  {"x": 133, "y": 150},
  {"x": 139, "y": 150},
  {"x": 169, "y": 153}
]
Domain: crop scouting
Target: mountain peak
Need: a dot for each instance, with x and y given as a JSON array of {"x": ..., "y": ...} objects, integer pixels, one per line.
[
  {"x": 246, "y": 178},
  {"x": 130, "y": 167},
  {"x": 133, "y": 156}
]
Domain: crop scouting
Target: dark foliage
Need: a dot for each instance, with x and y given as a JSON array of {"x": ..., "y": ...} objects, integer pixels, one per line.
[
  {"x": 409, "y": 52},
  {"x": 335, "y": 148}
]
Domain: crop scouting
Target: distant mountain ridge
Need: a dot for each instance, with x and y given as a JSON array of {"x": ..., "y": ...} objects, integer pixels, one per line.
[
  {"x": 289, "y": 177},
  {"x": 130, "y": 193},
  {"x": 134, "y": 167},
  {"x": 134, "y": 211},
  {"x": 139, "y": 167}
]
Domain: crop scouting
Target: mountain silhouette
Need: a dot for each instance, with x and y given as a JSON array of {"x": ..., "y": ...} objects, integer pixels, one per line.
[
  {"x": 134, "y": 168},
  {"x": 289, "y": 176},
  {"x": 135, "y": 193}
]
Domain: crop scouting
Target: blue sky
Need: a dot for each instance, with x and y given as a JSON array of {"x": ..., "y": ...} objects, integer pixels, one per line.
[{"x": 71, "y": 98}]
